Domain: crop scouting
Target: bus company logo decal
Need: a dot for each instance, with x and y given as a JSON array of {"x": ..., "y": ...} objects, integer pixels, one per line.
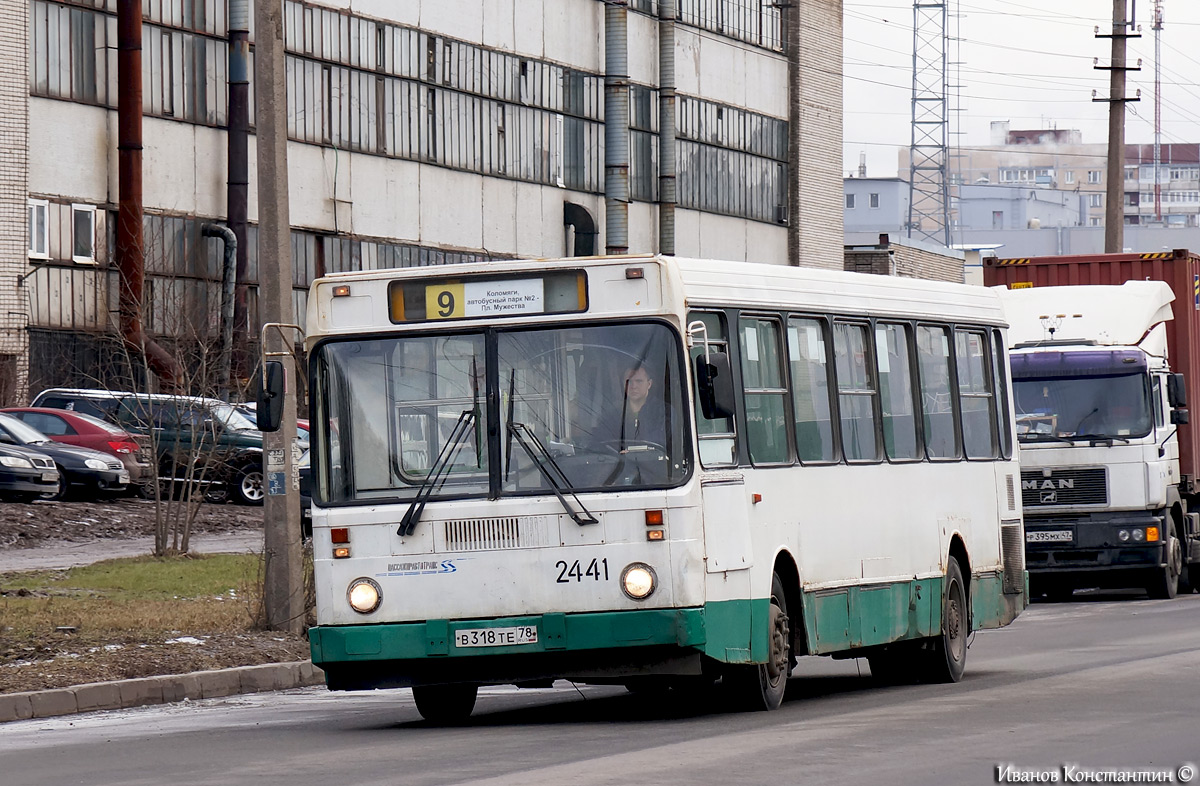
[{"x": 420, "y": 568}]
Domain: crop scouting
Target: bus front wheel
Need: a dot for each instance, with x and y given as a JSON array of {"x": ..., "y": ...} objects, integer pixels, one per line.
[
  {"x": 761, "y": 686},
  {"x": 445, "y": 703},
  {"x": 947, "y": 658}
]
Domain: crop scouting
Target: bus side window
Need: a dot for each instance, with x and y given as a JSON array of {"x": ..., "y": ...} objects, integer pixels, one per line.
[
  {"x": 811, "y": 405},
  {"x": 856, "y": 391},
  {"x": 717, "y": 439},
  {"x": 937, "y": 405},
  {"x": 975, "y": 394},
  {"x": 893, "y": 344},
  {"x": 1003, "y": 408},
  {"x": 765, "y": 393}
]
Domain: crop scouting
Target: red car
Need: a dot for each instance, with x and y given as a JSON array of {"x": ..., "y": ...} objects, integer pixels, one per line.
[{"x": 78, "y": 428}]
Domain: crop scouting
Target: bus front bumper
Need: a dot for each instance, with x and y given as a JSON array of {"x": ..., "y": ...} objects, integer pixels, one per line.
[{"x": 591, "y": 646}]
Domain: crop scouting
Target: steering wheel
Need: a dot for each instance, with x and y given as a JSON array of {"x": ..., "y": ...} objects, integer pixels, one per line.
[{"x": 614, "y": 445}]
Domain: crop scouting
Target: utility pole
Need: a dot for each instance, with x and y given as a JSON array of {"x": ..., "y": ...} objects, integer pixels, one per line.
[
  {"x": 283, "y": 584},
  {"x": 1114, "y": 208},
  {"x": 1158, "y": 26}
]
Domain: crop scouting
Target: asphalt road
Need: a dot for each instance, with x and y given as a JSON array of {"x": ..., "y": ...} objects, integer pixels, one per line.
[{"x": 1107, "y": 681}]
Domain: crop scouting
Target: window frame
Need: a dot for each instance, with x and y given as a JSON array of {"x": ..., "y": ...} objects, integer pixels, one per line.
[
  {"x": 824, "y": 321},
  {"x": 989, "y": 377},
  {"x": 718, "y": 344},
  {"x": 914, "y": 390},
  {"x": 952, "y": 370},
  {"x": 76, "y": 211},
  {"x": 871, "y": 364},
  {"x": 784, "y": 392},
  {"x": 34, "y": 207}
]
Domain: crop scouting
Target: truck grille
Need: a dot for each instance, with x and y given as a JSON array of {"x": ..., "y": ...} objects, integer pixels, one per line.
[{"x": 1070, "y": 486}]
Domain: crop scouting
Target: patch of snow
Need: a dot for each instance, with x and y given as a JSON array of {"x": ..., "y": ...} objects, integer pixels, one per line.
[{"x": 186, "y": 640}]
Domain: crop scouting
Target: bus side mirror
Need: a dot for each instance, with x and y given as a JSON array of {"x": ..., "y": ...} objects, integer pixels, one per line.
[
  {"x": 269, "y": 406},
  {"x": 714, "y": 380},
  {"x": 1179, "y": 417},
  {"x": 1176, "y": 390}
]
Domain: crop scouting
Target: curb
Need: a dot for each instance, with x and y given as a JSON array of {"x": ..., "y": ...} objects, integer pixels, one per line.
[{"x": 123, "y": 694}]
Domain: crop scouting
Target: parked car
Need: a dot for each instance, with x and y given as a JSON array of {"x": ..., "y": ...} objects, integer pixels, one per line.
[
  {"x": 198, "y": 440},
  {"x": 88, "y": 431},
  {"x": 25, "y": 474},
  {"x": 79, "y": 469}
]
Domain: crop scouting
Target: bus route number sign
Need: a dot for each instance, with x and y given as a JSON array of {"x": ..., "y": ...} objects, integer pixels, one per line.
[{"x": 446, "y": 300}]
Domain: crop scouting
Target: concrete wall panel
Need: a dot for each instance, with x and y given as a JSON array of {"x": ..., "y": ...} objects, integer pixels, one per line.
[
  {"x": 454, "y": 19},
  {"x": 386, "y": 198},
  {"x": 212, "y": 172},
  {"x": 405, "y": 13},
  {"x": 68, "y": 147},
  {"x": 309, "y": 195},
  {"x": 529, "y": 30},
  {"x": 499, "y": 224},
  {"x": 167, "y": 182},
  {"x": 574, "y": 33},
  {"x": 451, "y": 205},
  {"x": 499, "y": 28},
  {"x": 643, "y": 49}
]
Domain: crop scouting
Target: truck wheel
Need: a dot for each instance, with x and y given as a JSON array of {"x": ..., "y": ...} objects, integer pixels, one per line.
[{"x": 1166, "y": 582}]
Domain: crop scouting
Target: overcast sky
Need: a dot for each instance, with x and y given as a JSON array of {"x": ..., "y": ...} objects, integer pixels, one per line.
[{"x": 1024, "y": 61}]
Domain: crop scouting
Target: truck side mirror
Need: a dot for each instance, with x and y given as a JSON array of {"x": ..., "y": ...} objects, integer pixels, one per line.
[
  {"x": 714, "y": 381},
  {"x": 269, "y": 402},
  {"x": 1176, "y": 390},
  {"x": 1179, "y": 417}
]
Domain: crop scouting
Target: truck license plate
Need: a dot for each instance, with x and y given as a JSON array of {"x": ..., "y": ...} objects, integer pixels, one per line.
[
  {"x": 1050, "y": 536},
  {"x": 495, "y": 637}
]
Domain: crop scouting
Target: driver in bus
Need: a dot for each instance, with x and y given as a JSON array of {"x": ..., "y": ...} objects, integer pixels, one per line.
[{"x": 639, "y": 418}]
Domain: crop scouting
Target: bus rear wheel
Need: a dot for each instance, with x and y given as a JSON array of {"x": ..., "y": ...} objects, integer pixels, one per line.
[
  {"x": 946, "y": 659},
  {"x": 761, "y": 686},
  {"x": 445, "y": 703}
]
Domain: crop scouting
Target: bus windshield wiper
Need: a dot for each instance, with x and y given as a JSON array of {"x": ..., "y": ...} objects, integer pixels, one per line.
[
  {"x": 1043, "y": 437},
  {"x": 1109, "y": 438},
  {"x": 437, "y": 473},
  {"x": 549, "y": 468}
]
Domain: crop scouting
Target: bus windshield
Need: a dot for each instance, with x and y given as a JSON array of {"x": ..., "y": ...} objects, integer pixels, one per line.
[{"x": 581, "y": 408}]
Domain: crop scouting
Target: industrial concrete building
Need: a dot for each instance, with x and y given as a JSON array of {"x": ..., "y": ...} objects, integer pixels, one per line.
[{"x": 422, "y": 132}]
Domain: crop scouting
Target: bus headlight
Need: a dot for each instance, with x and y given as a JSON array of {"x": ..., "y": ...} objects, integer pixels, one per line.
[
  {"x": 364, "y": 595},
  {"x": 638, "y": 580}
]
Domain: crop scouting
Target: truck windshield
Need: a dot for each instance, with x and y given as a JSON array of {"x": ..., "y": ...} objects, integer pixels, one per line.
[
  {"x": 1116, "y": 406},
  {"x": 605, "y": 405}
]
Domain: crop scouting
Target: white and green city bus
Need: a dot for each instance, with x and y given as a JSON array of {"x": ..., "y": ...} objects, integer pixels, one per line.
[{"x": 652, "y": 471}]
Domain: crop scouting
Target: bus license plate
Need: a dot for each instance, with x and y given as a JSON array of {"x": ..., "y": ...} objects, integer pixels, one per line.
[
  {"x": 1050, "y": 536},
  {"x": 495, "y": 637}
]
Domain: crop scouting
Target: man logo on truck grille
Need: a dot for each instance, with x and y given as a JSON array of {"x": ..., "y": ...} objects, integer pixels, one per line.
[
  {"x": 1046, "y": 485},
  {"x": 1049, "y": 497}
]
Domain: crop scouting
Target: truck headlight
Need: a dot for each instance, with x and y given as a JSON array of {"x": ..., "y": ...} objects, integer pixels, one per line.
[
  {"x": 364, "y": 595},
  {"x": 1139, "y": 535},
  {"x": 1123, "y": 536},
  {"x": 638, "y": 580}
]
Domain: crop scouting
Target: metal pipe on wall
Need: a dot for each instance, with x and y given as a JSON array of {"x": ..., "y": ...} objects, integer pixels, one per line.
[
  {"x": 130, "y": 241},
  {"x": 667, "y": 197},
  {"x": 228, "y": 283},
  {"x": 237, "y": 199},
  {"x": 616, "y": 127}
]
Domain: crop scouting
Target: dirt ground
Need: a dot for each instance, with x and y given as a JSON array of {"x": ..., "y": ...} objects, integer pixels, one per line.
[{"x": 64, "y": 658}]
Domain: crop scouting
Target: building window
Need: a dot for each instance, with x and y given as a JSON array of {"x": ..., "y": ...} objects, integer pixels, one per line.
[
  {"x": 1070, "y": 176},
  {"x": 39, "y": 229},
  {"x": 83, "y": 234},
  {"x": 1131, "y": 172},
  {"x": 1095, "y": 222},
  {"x": 1096, "y": 200},
  {"x": 849, "y": 201},
  {"x": 1093, "y": 176},
  {"x": 874, "y": 200}
]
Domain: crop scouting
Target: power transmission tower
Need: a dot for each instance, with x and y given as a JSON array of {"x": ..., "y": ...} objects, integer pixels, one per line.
[
  {"x": 928, "y": 184},
  {"x": 1158, "y": 26}
]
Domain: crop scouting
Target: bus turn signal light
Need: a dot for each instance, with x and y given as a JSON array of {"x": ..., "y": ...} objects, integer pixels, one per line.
[
  {"x": 654, "y": 534},
  {"x": 342, "y": 290},
  {"x": 341, "y": 552},
  {"x": 654, "y": 518},
  {"x": 339, "y": 535}
]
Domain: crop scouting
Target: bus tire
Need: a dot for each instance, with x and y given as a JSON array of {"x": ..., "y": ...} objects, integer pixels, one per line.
[
  {"x": 1165, "y": 583},
  {"x": 445, "y": 704},
  {"x": 761, "y": 686},
  {"x": 947, "y": 657}
]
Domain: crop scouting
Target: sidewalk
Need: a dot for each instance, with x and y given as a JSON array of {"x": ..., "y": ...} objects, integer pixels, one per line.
[
  {"x": 123, "y": 694},
  {"x": 70, "y": 555}
]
